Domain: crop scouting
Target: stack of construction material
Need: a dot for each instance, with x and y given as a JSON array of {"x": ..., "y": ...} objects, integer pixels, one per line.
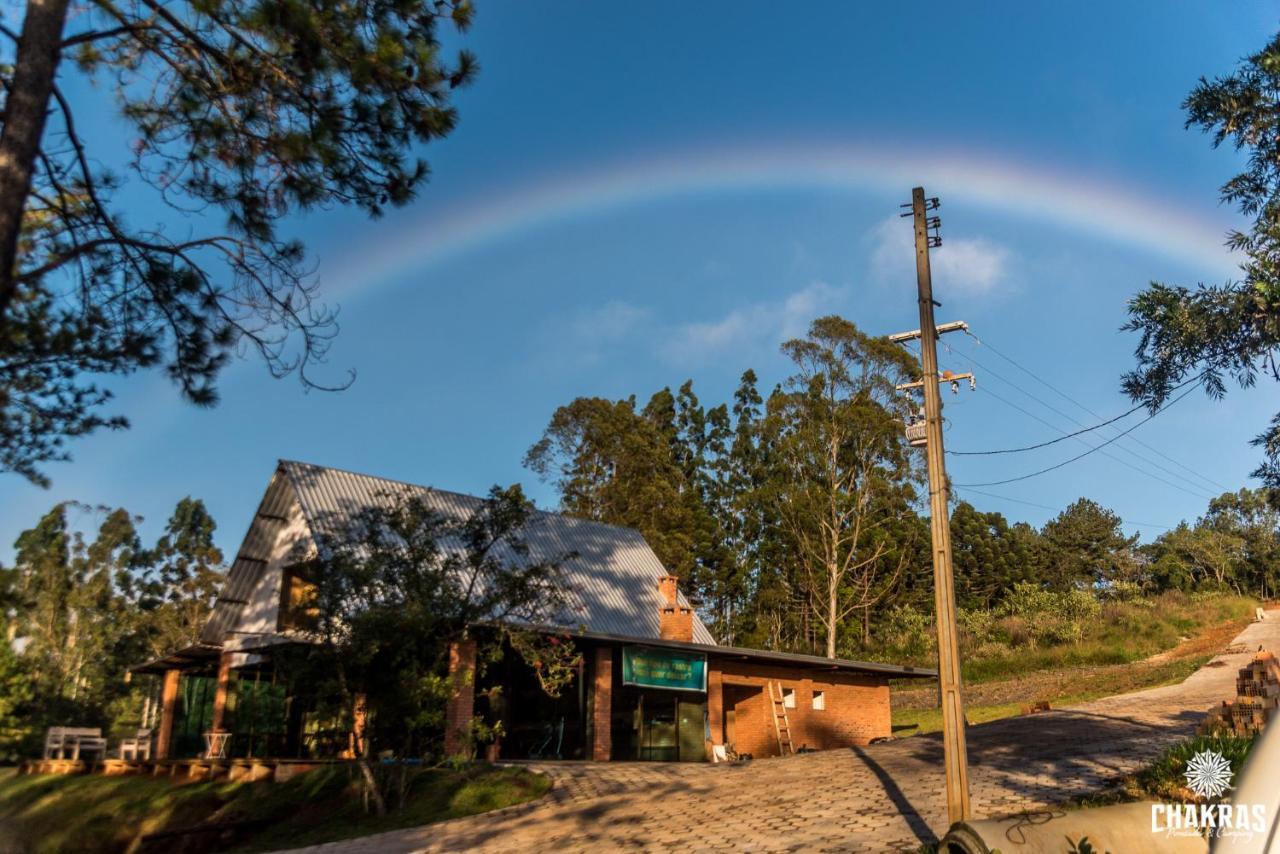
[{"x": 1257, "y": 698}]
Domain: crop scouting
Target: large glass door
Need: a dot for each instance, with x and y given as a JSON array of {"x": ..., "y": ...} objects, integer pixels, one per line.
[
  {"x": 658, "y": 728},
  {"x": 691, "y": 716}
]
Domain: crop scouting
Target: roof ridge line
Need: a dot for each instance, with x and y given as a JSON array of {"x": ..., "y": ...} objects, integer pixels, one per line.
[{"x": 536, "y": 509}]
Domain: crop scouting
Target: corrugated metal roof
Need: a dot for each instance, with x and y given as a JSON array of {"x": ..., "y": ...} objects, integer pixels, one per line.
[
  {"x": 250, "y": 560},
  {"x": 815, "y": 662},
  {"x": 611, "y": 582}
]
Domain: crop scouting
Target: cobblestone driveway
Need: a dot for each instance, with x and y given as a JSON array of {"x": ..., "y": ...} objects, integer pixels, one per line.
[{"x": 886, "y": 797}]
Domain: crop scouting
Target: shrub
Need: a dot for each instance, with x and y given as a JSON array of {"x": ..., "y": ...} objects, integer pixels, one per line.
[
  {"x": 978, "y": 625},
  {"x": 1052, "y": 617},
  {"x": 1027, "y": 600},
  {"x": 1125, "y": 591},
  {"x": 1016, "y": 630},
  {"x": 907, "y": 630},
  {"x": 1078, "y": 610},
  {"x": 991, "y": 649}
]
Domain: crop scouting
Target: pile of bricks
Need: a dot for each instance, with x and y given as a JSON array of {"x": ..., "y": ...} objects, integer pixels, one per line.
[{"x": 1257, "y": 698}]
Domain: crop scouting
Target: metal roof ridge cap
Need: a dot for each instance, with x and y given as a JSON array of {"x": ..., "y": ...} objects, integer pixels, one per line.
[
  {"x": 537, "y": 510},
  {"x": 902, "y": 669}
]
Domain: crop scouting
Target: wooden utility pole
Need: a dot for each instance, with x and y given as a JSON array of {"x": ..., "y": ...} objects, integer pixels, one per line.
[{"x": 944, "y": 594}]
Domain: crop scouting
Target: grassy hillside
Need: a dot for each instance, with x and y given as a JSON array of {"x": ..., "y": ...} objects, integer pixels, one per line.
[
  {"x": 1123, "y": 646},
  {"x": 95, "y": 814}
]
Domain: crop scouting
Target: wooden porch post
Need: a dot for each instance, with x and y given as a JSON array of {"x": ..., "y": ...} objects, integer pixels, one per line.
[
  {"x": 168, "y": 708},
  {"x": 221, "y": 691},
  {"x": 461, "y": 705}
]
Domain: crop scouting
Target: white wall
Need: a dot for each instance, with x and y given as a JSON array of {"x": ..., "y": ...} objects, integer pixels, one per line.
[{"x": 293, "y": 543}]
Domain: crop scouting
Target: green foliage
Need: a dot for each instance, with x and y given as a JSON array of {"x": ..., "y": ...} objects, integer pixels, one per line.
[
  {"x": 978, "y": 625},
  {"x": 1165, "y": 778},
  {"x": 1042, "y": 630},
  {"x": 83, "y": 610},
  {"x": 1125, "y": 591},
  {"x": 182, "y": 578},
  {"x": 244, "y": 111},
  {"x": 739, "y": 501},
  {"x": 732, "y": 498},
  {"x": 97, "y": 815},
  {"x": 1085, "y": 544},
  {"x": 988, "y": 555},
  {"x": 1235, "y": 546},
  {"x": 17, "y": 693},
  {"x": 396, "y": 588},
  {"x": 842, "y": 477},
  {"x": 905, "y": 629},
  {"x": 613, "y": 464},
  {"x": 1052, "y": 616},
  {"x": 1083, "y": 846},
  {"x": 1214, "y": 333}
]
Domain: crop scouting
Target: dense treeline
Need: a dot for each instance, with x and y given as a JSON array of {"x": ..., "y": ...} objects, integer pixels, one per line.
[
  {"x": 79, "y": 610},
  {"x": 794, "y": 520}
]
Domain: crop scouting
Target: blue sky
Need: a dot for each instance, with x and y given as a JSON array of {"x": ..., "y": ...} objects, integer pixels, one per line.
[{"x": 638, "y": 194}]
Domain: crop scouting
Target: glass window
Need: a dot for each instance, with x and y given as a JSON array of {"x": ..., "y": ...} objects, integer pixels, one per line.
[
  {"x": 789, "y": 697},
  {"x": 297, "y": 602},
  {"x": 819, "y": 700}
]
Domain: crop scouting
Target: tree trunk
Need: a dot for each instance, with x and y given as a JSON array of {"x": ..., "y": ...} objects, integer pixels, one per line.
[
  {"x": 371, "y": 786},
  {"x": 833, "y": 603},
  {"x": 25, "y": 110}
]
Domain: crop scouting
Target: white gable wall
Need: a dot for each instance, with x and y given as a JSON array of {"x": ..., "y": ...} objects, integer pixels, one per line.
[{"x": 293, "y": 542}]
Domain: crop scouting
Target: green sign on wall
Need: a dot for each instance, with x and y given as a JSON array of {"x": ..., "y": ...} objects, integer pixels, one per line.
[{"x": 664, "y": 668}]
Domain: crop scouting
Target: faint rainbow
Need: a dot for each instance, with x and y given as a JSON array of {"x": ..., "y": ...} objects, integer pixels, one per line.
[{"x": 1122, "y": 215}]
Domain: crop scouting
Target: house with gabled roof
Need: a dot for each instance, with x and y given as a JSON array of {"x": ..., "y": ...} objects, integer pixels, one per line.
[{"x": 653, "y": 683}]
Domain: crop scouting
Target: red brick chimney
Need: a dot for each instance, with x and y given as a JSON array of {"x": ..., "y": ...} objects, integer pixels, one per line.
[{"x": 675, "y": 621}]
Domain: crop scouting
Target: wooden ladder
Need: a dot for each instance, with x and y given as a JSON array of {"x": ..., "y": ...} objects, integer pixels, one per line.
[{"x": 781, "y": 726}]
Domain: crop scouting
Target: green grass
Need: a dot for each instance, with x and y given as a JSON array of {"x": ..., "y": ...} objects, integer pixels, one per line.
[
  {"x": 1089, "y": 653},
  {"x": 91, "y": 813},
  {"x": 1065, "y": 688},
  {"x": 1164, "y": 778},
  {"x": 1124, "y": 633},
  {"x": 919, "y": 721}
]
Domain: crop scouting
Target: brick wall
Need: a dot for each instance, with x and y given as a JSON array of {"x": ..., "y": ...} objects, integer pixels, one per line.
[
  {"x": 857, "y": 707},
  {"x": 675, "y": 622},
  {"x": 461, "y": 705},
  {"x": 602, "y": 704}
]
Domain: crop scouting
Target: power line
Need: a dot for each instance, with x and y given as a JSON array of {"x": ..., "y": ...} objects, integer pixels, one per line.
[
  {"x": 1196, "y": 489},
  {"x": 1061, "y": 438},
  {"x": 1086, "y": 453},
  {"x": 1072, "y": 400},
  {"x": 1106, "y": 454},
  {"x": 986, "y": 390},
  {"x": 970, "y": 490},
  {"x": 1064, "y": 436}
]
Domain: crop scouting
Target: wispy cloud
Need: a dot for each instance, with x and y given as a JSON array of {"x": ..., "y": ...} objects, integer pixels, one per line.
[
  {"x": 969, "y": 266},
  {"x": 754, "y": 328},
  {"x": 615, "y": 319},
  {"x": 587, "y": 335}
]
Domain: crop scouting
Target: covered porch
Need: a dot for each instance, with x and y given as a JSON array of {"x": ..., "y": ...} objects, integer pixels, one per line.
[{"x": 218, "y": 703}]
